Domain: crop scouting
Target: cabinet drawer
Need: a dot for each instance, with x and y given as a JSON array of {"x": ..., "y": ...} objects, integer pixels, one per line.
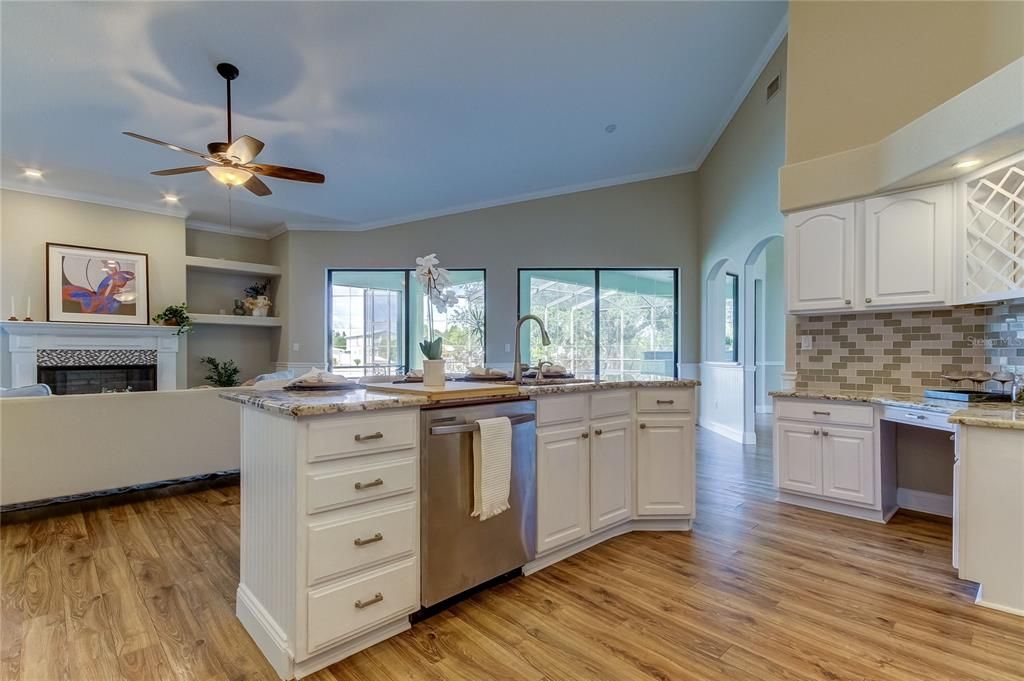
[
  {"x": 344, "y": 609},
  {"x": 918, "y": 417},
  {"x": 826, "y": 412},
  {"x": 610, "y": 404},
  {"x": 354, "y": 435},
  {"x": 327, "y": 489},
  {"x": 341, "y": 546},
  {"x": 664, "y": 400},
  {"x": 564, "y": 409}
]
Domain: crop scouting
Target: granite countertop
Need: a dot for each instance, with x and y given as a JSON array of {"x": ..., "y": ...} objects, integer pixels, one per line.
[
  {"x": 292, "y": 403},
  {"x": 990, "y": 414},
  {"x": 310, "y": 403}
]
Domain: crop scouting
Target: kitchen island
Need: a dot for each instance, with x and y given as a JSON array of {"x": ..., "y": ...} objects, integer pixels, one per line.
[
  {"x": 333, "y": 498},
  {"x": 834, "y": 451}
]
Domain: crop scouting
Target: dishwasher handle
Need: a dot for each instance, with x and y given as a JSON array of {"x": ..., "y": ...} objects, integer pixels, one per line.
[{"x": 474, "y": 427}]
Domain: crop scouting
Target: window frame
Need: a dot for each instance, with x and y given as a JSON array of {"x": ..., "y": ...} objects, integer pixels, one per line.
[
  {"x": 597, "y": 305},
  {"x": 406, "y": 305},
  {"x": 735, "y": 317}
]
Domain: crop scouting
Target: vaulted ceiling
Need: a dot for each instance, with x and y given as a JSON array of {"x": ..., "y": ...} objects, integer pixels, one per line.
[{"x": 410, "y": 109}]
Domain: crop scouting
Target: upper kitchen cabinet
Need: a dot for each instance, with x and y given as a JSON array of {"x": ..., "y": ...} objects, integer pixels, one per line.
[
  {"x": 819, "y": 248},
  {"x": 886, "y": 252},
  {"x": 907, "y": 248}
]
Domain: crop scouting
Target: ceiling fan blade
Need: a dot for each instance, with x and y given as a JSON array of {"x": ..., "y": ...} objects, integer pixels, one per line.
[
  {"x": 179, "y": 171},
  {"x": 217, "y": 147},
  {"x": 244, "y": 149},
  {"x": 256, "y": 186},
  {"x": 173, "y": 147},
  {"x": 284, "y": 173}
]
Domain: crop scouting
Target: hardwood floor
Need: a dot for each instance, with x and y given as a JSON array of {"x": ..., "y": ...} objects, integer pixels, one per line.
[{"x": 760, "y": 590}]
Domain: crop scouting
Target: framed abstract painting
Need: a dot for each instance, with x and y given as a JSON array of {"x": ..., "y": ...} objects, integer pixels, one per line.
[{"x": 96, "y": 285}]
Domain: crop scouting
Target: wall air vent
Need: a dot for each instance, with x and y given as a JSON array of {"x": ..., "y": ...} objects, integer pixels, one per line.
[{"x": 773, "y": 88}]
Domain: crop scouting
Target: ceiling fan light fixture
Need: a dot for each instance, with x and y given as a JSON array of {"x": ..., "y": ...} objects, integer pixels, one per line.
[{"x": 228, "y": 175}]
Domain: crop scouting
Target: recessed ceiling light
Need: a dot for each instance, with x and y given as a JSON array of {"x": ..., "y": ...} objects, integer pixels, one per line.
[
  {"x": 171, "y": 198},
  {"x": 32, "y": 172},
  {"x": 610, "y": 128},
  {"x": 969, "y": 163}
]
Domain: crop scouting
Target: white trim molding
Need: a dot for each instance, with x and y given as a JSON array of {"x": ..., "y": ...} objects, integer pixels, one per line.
[{"x": 925, "y": 502}]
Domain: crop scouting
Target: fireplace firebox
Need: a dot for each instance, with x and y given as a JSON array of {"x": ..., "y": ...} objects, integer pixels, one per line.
[{"x": 82, "y": 380}]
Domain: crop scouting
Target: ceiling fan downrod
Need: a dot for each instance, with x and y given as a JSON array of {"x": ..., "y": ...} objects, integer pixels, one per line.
[{"x": 228, "y": 72}]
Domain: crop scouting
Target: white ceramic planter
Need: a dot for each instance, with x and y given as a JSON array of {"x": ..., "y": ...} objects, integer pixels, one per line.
[{"x": 433, "y": 372}]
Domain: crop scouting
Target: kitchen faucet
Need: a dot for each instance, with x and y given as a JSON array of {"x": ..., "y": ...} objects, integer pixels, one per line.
[{"x": 517, "y": 374}]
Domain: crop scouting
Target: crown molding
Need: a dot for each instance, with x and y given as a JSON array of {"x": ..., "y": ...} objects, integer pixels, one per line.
[
  {"x": 86, "y": 197},
  {"x": 762, "y": 61},
  {"x": 218, "y": 228},
  {"x": 494, "y": 203}
]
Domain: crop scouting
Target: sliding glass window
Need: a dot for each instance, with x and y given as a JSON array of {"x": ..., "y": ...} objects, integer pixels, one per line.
[
  {"x": 375, "y": 324},
  {"x": 614, "y": 324}
]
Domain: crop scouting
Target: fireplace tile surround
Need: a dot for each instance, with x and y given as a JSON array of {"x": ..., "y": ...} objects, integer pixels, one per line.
[
  {"x": 30, "y": 345},
  {"x": 907, "y": 351}
]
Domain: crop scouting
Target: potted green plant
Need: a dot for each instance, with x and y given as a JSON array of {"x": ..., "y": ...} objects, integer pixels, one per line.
[
  {"x": 256, "y": 300},
  {"x": 221, "y": 374},
  {"x": 434, "y": 280},
  {"x": 175, "y": 315}
]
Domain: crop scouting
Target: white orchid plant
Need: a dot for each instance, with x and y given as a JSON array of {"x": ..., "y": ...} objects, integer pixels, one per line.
[{"x": 435, "y": 281}]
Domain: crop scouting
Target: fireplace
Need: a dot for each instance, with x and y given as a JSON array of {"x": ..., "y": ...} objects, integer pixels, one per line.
[{"x": 82, "y": 380}]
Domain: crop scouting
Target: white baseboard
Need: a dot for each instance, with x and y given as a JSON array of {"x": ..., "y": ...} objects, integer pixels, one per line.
[
  {"x": 725, "y": 431},
  {"x": 839, "y": 508},
  {"x": 925, "y": 502},
  {"x": 268, "y": 637},
  {"x": 313, "y": 664},
  {"x": 636, "y": 525},
  {"x": 980, "y": 600}
]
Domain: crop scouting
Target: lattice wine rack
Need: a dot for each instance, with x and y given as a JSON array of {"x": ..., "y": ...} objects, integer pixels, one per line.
[{"x": 994, "y": 232}]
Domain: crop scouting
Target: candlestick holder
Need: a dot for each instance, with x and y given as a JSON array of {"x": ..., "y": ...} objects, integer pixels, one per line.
[
  {"x": 12, "y": 318},
  {"x": 28, "y": 319}
]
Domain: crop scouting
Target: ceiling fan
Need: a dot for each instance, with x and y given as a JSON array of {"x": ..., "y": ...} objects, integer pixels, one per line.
[{"x": 231, "y": 161}]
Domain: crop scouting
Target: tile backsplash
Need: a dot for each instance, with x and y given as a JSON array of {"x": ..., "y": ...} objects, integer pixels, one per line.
[{"x": 908, "y": 351}]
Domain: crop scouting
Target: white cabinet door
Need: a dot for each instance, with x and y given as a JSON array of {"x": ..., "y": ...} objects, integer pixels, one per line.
[
  {"x": 664, "y": 466},
  {"x": 611, "y": 472},
  {"x": 563, "y": 485},
  {"x": 820, "y": 259},
  {"x": 798, "y": 457},
  {"x": 848, "y": 464},
  {"x": 907, "y": 247}
]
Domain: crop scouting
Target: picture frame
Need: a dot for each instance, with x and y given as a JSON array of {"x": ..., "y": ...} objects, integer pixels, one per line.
[{"x": 96, "y": 285}]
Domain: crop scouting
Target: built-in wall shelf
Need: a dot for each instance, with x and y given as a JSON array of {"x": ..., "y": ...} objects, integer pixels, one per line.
[
  {"x": 234, "y": 320},
  {"x": 195, "y": 262}
]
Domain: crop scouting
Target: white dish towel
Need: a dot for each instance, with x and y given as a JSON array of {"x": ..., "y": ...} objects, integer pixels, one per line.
[{"x": 492, "y": 467}]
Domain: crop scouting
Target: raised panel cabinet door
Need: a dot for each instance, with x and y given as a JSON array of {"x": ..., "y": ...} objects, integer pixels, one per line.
[
  {"x": 664, "y": 466},
  {"x": 563, "y": 487},
  {"x": 819, "y": 248},
  {"x": 907, "y": 240},
  {"x": 611, "y": 473},
  {"x": 798, "y": 457},
  {"x": 848, "y": 464}
]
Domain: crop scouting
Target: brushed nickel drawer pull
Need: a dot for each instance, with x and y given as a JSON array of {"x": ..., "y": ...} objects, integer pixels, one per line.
[
  {"x": 920, "y": 417},
  {"x": 643, "y": 426},
  {"x": 822, "y": 413},
  {"x": 373, "y": 483},
  {"x": 377, "y": 536},
  {"x": 377, "y": 598},
  {"x": 585, "y": 436},
  {"x": 598, "y": 431},
  {"x": 363, "y": 438},
  {"x": 666, "y": 401}
]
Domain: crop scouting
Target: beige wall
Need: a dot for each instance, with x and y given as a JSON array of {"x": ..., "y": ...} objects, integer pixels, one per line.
[
  {"x": 28, "y": 221},
  {"x": 226, "y": 246},
  {"x": 739, "y": 192},
  {"x": 858, "y": 71},
  {"x": 644, "y": 224}
]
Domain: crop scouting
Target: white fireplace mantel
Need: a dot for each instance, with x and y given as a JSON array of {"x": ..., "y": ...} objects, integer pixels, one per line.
[{"x": 25, "y": 339}]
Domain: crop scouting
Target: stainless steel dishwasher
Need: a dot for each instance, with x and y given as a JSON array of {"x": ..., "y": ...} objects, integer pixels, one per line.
[{"x": 458, "y": 551}]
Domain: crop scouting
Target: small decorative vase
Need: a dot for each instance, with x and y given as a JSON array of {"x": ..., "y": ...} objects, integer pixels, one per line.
[
  {"x": 433, "y": 373},
  {"x": 259, "y": 305},
  {"x": 239, "y": 308}
]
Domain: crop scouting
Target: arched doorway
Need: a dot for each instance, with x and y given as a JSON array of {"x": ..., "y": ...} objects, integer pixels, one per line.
[{"x": 763, "y": 330}]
